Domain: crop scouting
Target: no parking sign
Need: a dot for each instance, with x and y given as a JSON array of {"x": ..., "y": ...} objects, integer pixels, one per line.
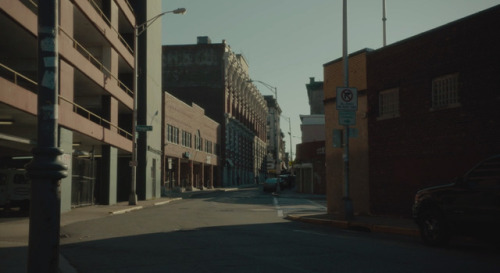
[{"x": 347, "y": 99}]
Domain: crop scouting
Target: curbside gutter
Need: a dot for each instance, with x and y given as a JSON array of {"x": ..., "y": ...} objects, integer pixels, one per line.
[{"x": 345, "y": 224}]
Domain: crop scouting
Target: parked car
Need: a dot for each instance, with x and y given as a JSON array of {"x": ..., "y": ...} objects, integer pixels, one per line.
[
  {"x": 288, "y": 180},
  {"x": 14, "y": 189},
  {"x": 271, "y": 184},
  {"x": 469, "y": 206}
]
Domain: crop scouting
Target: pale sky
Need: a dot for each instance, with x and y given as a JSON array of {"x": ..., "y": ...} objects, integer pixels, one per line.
[{"x": 287, "y": 41}]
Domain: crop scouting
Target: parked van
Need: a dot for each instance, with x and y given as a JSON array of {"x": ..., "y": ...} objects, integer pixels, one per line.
[{"x": 14, "y": 189}]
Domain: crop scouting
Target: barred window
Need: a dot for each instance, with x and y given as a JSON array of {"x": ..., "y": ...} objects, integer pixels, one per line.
[
  {"x": 389, "y": 103},
  {"x": 445, "y": 91}
]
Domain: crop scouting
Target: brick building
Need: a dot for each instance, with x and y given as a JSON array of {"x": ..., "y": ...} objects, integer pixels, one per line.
[
  {"x": 428, "y": 110},
  {"x": 216, "y": 79},
  {"x": 190, "y": 141},
  {"x": 358, "y": 146},
  {"x": 434, "y": 110}
]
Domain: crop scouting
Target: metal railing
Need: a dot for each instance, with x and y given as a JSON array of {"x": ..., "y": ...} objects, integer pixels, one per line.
[
  {"x": 105, "y": 18},
  {"x": 97, "y": 63},
  {"x": 19, "y": 79},
  {"x": 96, "y": 118}
]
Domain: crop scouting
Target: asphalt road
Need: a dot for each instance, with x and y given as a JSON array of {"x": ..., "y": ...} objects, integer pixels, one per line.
[{"x": 245, "y": 231}]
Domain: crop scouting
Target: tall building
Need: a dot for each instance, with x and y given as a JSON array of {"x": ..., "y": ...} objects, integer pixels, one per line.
[
  {"x": 274, "y": 137},
  {"x": 216, "y": 79},
  {"x": 96, "y": 64}
]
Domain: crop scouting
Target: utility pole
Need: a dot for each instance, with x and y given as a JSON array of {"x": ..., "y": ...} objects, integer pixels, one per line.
[
  {"x": 384, "y": 19},
  {"x": 348, "y": 209},
  {"x": 45, "y": 170}
]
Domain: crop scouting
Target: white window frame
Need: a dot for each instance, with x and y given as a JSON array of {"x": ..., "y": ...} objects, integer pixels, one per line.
[
  {"x": 388, "y": 102},
  {"x": 445, "y": 93}
]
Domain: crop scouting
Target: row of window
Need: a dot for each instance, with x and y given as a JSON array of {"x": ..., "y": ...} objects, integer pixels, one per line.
[
  {"x": 444, "y": 95},
  {"x": 186, "y": 140}
]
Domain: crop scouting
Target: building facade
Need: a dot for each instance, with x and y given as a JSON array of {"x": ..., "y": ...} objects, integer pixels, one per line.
[
  {"x": 358, "y": 145},
  {"x": 216, "y": 79},
  {"x": 433, "y": 111},
  {"x": 310, "y": 161},
  {"x": 427, "y": 112},
  {"x": 95, "y": 101},
  {"x": 191, "y": 142},
  {"x": 274, "y": 138}
]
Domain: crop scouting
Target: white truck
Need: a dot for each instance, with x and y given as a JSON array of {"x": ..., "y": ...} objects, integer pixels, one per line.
[{"x": 14, "y": 189}]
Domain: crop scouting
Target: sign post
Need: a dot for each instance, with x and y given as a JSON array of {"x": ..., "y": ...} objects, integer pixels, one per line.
[{"x": 347, "y": 105}]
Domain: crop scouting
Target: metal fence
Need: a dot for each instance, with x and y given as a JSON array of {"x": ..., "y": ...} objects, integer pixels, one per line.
[{"x": 83, "y": 182}]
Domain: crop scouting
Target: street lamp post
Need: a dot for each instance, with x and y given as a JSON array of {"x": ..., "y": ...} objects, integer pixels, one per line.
[
  {"x": 276, "y": 119},
  {"x": 45, "y": 170},
  {"x": 290, "y": 134},
  {"x": 138, "y": 30}
]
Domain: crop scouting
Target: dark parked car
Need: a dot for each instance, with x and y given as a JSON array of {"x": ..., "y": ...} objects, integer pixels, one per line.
[
  {"x": 469, "y": 206},
  {"x": 271, "y": 184},
  {"x": 288, "y": 180}
]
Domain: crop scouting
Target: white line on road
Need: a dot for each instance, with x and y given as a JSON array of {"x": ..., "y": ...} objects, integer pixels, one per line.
[{"x": 278, "y": 208}]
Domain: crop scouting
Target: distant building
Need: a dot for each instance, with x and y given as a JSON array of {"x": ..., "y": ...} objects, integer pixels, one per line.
[
  {"x": 274, "y": 137},
  {"x": 316, "y": 96},
  {"x": 309, "y": 164},
  {"x": 191, "y": 144},
  {"x": 427, "y": 111},
  {"x": 213, "y": 77}
]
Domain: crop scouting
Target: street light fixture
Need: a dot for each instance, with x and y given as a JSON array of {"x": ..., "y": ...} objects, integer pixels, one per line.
[
  {"x": 138, "y": 30},
  {"x": 275, "y": 91}
]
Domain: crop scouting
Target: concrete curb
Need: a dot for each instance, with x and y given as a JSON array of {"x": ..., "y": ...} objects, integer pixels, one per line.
[
  {"x": 167, "y": 201},
  {"x": 344, "y": 224},
  {"x": 122, "y": 211}
]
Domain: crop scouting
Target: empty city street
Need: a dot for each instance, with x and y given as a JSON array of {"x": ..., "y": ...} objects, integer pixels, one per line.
[{"x": 246, "y": 231}]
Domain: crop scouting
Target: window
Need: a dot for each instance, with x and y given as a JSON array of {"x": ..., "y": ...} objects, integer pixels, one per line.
[
  {"x": 445, "y": 91},
  {"x": 172, "y": 134},
  {"x": 186, "y": 139},
  {"x": 389, "y": 103},
  {"x": 208, "y": 146}
]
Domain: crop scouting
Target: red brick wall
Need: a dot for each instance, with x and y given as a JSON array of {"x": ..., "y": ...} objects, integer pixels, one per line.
[{"x": 426, "y": 147}]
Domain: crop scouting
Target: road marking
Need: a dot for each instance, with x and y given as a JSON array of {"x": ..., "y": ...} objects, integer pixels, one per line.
[
  {"x": 277, "y": 207},
  {"x": 310, "y": 232}
]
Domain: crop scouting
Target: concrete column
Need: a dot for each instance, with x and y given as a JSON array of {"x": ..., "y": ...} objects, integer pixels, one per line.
[
  {"x": 66, "y": 144},
  {"x": 211, "y": 177},
  {"x": 109, "y": 174},
  {"x": 178, "y": 172},
  {"x": 202, "y": 182},
  {"x": 191, "y": 174}
]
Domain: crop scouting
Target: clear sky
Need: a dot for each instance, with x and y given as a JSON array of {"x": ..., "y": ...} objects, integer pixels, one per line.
[{"x": 287, "y": 41}]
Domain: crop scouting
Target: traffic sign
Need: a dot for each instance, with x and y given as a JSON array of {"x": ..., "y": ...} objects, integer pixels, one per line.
[
  {"x": 347, "y": 98},
  {"x": 347, "y": 118},
  {"x": 143, "y": 128}
]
